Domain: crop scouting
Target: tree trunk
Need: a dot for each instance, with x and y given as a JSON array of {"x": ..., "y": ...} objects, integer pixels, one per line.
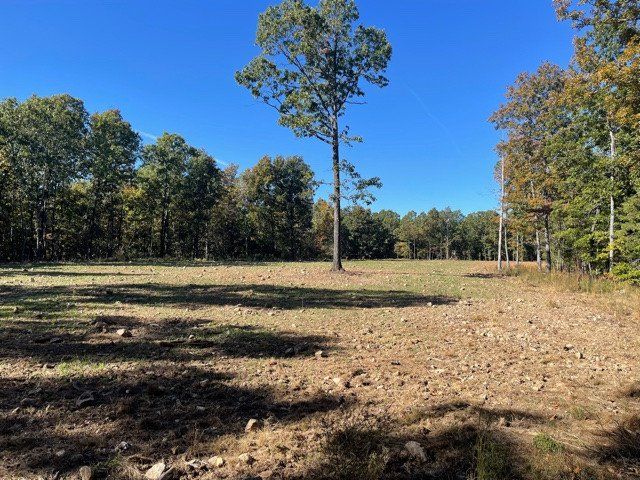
[
  {"x": 506, "y": 248},
  {"x": 92, "y": 228},
  {"x": 196, "y": 241},
  {"x": 163, "y": 233},
  {"x": 41, "y": 231},
  {"x": 538, "y": 252},
  {"x": 337, "y": 244},
  {"x": 501, "y": 215},
  {"x": 547, "y": 238},
  {"x": 612, "y": 204}
]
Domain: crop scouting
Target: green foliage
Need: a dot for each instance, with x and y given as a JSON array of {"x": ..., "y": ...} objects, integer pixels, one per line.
[
  {"x": 42, "y": 147},
  {"x": 279, "y": 197},
  {"x": 626, "y": 273},
  {"x": 312, "y": 64},
  {"x": 366, "y": 235},
  {"x": 492, "y": 459},
  {"x": 545, "y": 444},
  {"x": 572, "y": 143}
]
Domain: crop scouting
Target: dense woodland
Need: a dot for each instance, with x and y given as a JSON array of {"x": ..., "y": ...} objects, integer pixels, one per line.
[
  {"x": 80, "y": 186},
  {"x": 569, "y": 158}
]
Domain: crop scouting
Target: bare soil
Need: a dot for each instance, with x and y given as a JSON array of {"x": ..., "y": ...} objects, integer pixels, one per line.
[{"x": 120, "y": 366}]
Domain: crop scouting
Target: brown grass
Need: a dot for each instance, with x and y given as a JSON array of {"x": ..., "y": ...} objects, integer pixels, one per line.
[{"x": 472, "y": 365}]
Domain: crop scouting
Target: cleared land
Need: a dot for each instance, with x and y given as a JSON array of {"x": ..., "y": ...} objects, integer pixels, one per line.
[{"x": 120, "y": 366}]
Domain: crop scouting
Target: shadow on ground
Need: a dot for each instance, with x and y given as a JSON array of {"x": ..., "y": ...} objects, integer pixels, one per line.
[
  {"x": 46, "y": 427},
  {"x": 379, "y": 452},
  {"x": 56, "y": 299},
  {"x": 173, "y": 340}
]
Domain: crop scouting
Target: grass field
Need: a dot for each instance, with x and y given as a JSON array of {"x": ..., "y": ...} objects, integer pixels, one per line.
[{"x": 120, "y": 366}]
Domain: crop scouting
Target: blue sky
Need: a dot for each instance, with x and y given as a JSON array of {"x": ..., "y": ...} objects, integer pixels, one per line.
[{"x": 169, "y": 65}]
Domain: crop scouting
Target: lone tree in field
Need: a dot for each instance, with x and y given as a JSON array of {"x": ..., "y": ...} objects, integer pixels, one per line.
[{"x": 311, "y": 66}]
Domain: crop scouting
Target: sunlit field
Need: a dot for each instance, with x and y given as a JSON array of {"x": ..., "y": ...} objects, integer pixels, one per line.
[{"x": 397, "y": 369}]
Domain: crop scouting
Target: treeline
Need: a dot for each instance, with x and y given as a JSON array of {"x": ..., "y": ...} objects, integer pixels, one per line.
[
  {"x": 569, "y": 161},
  {"x": 80, "y": 186}
]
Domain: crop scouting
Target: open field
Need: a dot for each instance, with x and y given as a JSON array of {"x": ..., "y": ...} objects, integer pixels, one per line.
[{"x": 494, "y": 377}]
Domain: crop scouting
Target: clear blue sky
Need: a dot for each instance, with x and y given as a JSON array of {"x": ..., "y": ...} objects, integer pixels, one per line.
[{"x": 169, "y": 65}]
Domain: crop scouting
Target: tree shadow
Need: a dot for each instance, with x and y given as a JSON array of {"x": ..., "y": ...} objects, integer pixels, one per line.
[
  {"x": 633, "y": 391},
  {"x": 24, "y": 272},
  {"x": 485, "y": 276},
  {"x": 45, "y": 426},
  {"x": 379, "y": 452},
  {"x": 175, "y": 340},
  {"x": 620, "y": 444},
  {"x": 486, "y": 415},
  {"x": 55, "y": 299}
]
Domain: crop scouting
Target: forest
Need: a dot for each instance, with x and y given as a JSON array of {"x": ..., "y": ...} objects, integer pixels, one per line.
[
  {"x": 77, "y": 186},
  {"x": 569, "y": 157}
]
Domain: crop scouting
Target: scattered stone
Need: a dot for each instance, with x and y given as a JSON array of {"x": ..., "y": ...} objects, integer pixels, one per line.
[
  {"x": 579, "y": 355},
  {"x": 196, "y": 464},
  {"x": 101, "y": 327},
  {"x": 341, "y": 383},
  {"x": 246, "y": 459},
  {"x": 85, "y": 399},
  {"x": 216, "y": 461},
  {"x": 124, "y": 333},
  {"x": 122, "y": 447},
  {"x": 85, "y": 473},
  {"x": 60, "y": 453},
  {"x": 156, "y": 471},
  {"x": 252, "y": 425},
  {"x": 321, "y": 354},
  {"x": 568, "y": 347},
  {"x": 415, "y": 451}
]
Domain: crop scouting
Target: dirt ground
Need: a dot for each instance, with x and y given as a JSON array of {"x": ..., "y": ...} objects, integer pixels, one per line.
[{"x": 397, "y": 369}]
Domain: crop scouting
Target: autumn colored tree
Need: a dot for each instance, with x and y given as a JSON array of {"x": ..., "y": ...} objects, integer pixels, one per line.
[{"x": 530, "y": 116}]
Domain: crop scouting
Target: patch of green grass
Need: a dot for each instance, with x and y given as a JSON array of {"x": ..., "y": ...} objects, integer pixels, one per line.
[
  {"x": 579, "y": 412},
  {"x": 492, "y": 459},
  {"x": 80, "y": 365},
  {"x": 545, "y": 444},
  {"x": 355, "y": 453},
  {"x": 108, "y": 467}
]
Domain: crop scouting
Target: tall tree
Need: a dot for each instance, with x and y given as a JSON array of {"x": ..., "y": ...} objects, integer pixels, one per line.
[
  {"x": 312, "y": 63},
  {"x": 46, "y": 150},
  {"x": 164, "y": 164},
  {"x": 113, "y": 149},
  {"x": 279, "y": 196},
  {"x": 366, "y": 235},
  {"x": 608, "y": 28},
  {"x": 530, "y": 116},
  {"x": 200, "y": 190}
]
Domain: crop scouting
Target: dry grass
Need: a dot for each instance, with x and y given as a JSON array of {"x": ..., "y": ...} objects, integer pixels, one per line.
[{"x": 477, "y": 368}]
